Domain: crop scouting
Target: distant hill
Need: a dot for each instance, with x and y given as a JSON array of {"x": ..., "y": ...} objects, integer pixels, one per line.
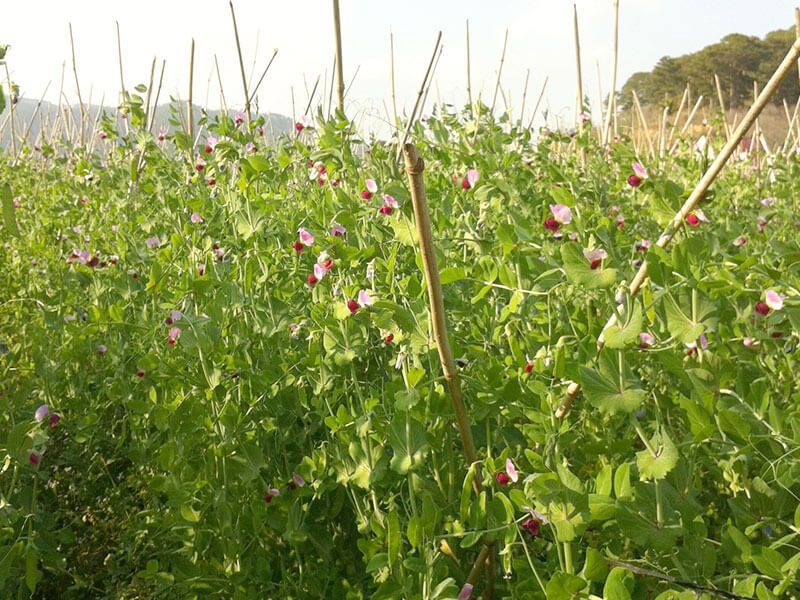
[
  {"x": 737, "y": 59},
  {"x": 26, "y": 109}
]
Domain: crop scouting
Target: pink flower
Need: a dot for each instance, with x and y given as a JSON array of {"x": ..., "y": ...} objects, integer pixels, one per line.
[
  {"x": 740, "y": 241},
  {"x": 153, "y": 242},
  {"x": 200, "y": 164},
  {"x": 750, "y": 342},
  {"x": 162, "y": 134},
  {"x": 371, "y": 186},
  {"x": 762, "y": 223},
  {"x": 595, "y": 257},
  {"x": 512, "y": 470},
  {"x": 768, "y": 201},
  {"x": 325, "y": 260},
  {"x": 84, "y": 200},
  {"x": 338, "y": 230},
  {"x": 620, "y": 222},
  {"x": 319, "y": 272},
  {"x": 174, "y": 334},
  {"x": 298, "y": 480},
  {"x": 54, "y": 419},
  {"x": 472, "y": 177},
  {"x": 773, "y": 300},
  {"x": 466, "y": 592},
  {"x": 305, "y": 121},
  {"x": 364, "y": 299},
  {"x": 561, "y": 213},
  {"x": 646, "y": 340},
  {"x": 101, "y": 350},
  {"x": 196, "y": 218},
  {"x": 250, "y": 147},
  {"x": 41, "y": 413},
  {"x": 239, "y": 118},
  {"x": 390, "y": 201},
  {"x": 305, "y": 237},
  {"x": 639, "y": 170},
  {"x": 271, "y": 493},
  {"x": 35, "y": 457},
  {"x": 643, "y": 245}
]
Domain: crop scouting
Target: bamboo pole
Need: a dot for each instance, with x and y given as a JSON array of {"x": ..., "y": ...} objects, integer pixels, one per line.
[
  {"x": 579, "y": 103},
  {"x": 422, "y": 87},
  {"x": 684, "y": 99},
  {"x": 391, "y": 75},
  {"x": 612, "y": 90},
  {"x": 643, "y": 121},
  {"x": 538, "y": 101},
  {"x": 722, "y": 109},
  {"x": 189, "y": 107},
  {"x": 11, "y": 110},
  {"x": 499, "y": 72},
  {"x": 337, "y": 25},
  {"x": 414, "y": 169},
  {"x": 264, "y": 74},
  {"x": 241, "y": 63},
  {"x": 119, "y": 60},
  {"x": 787, "y": 65},
  {"x": 149, "y": 93},
  {"x": 524, "y": 96},
  {"x": 469, "y": 73},
  {"x": 77, "y": 84},
  {"x": 797, "y": 32}
]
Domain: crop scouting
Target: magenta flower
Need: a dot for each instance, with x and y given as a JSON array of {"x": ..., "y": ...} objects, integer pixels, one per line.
[
  {"x": 773, "y": 299},
  {"x": 298, "y": 480},
  {"x": 294, "y": 330},
  {"x": 643, "y": 245},
  {"x": 200, "y": 164},
  {"x": 250, "y": 147},
  {"x": 174, "y": 334},
  {"x": 319, "y": 272},
  {"x": 196, "y": 218},
  {"x": 162, "y": 134},
  {"x": 512, "y": 470},
  {"x": 303, "y": 122},
  {"x": 239, "y": 118},
  {"x": 595, "y": 257},
  {"x": 466, "y": 592},
  {"x": 472, "y": 177},
  {"x": 353, "y": 306},
  {"x": 639, "y": 170},
  {"x": 153, "y": 242},
  {"x": 338, "y": 230},
  {"x": 35, "y": 457},
  {"x": 364, "y": 299},
  {"x": 646, "y": 340},
  {"x": 41, "y": 413},
  {"x": 740, "y": 241},
  {"x": 561, "y": 213},
  {"x": 325, "y": 260},
  {"x": 101, "y": 350},
  {"x": 390, "y": 201},
  {"x": 695, "y": 218},
  {"x": 634, "y": 180},
  {"x": 305, "y": 237},
  {"x": 54, "y": 419}
]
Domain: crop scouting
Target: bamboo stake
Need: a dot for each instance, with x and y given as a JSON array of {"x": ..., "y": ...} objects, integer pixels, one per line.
[
  {"x": 662, "y": 134},
  {"x": 149, "y": 93},
  {"x": 57, "y": 123},
  {"x": 469, "y": 73},
  {"x": 330, "y": 91},
  {"x": 98, "y": 115},
  {"x": 414, "y": 169},
  {"x": 612, "y": 91},
  {"x": 694, "y": 198},
  {"x": 311, "y": 96},
  {"x": 690, "y": 118},
  {"x": 155, "y": 101},
  {"x": 119, "y": 60},
  {"x": 797, "y": 32},
  {"x": 499, "y": 72},
  {"x": 722, "y": 109},
  {"x": 337, "y": 25},
  {"x": 241, "y": 63},
  {"x": 538, "y": 101},
  {"x": 77, "y": 84},
  {"x": 410, "y": 123},
  {"x": 579, "y": 103},
  {"x": 219, "y": 82},
  {"x": 524, "y": 96},
  {"x": 643, "y": 121},
  {"x": 264, "y": 74},
  {"x": 391, "y": 74},
  {"x": 189, "y": 107},
  {"x": 684, "y": 99},
  {"x": 430, "y": 81},
  {"x": 11, "y": 110}
]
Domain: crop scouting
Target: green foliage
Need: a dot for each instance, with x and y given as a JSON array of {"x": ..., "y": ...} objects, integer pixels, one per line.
[{"x": 175, "y": 470}]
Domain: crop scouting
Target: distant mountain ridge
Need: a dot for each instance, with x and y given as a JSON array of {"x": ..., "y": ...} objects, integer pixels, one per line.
[{"x": 25, "y": 110}]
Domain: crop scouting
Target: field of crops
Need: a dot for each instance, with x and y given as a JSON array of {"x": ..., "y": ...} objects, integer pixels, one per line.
[{"x": 219, "y": 375}]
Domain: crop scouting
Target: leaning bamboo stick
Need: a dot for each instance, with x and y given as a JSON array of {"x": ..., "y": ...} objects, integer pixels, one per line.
[
  {"x": 241, "y": 63},
  {"x": 787, "y": 65},
  {"x": 415, "y": 167},
  {"x": 189, "y": 107},
  {"x": 469, "y": 73},
  {"x": 538, "y": 101},
  {"x": 613, "y": 90},
  {"x": 77, "y": 84},
  {"x": 643, "y": 121},
  {"x": 119, "y": 60},
  {"x": 337, "y": 24},
  {"x": 797, "y": 32},
  {"x": 690, "y": 117},
  {"x": 155, "y": 100},
  {"x": 684, "y": 99},
  {"x": 391, "y": 76},
  {"x": 11, "y": 111},
  {"x": 722, "y": 110},
  {"x": 499, "y": 72},
  {"x": 579, "y": 102},
  {"x": 264, "y": 74},
  {"x": 524, "y": 96}
]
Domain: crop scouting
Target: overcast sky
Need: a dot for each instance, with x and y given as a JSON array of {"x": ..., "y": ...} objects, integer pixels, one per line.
[{"x": 540, "y": 39}]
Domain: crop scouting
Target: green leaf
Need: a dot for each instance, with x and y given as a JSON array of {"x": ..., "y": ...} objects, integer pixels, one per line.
[
  {"x": 595, "y": 567},
  {"x": 680, "y": 326},
  {"x": 622, "y": 481},
  {"x": 9, "y": 214},
  {"x": 452, "y": 274},
  {"x": 620, "y": 335},
  {"x": 564, "y": 586},
  {"x": 394, "y": 540},
  {"x": 580, "y": 272},
  {"x": 657, "y": 464},
  {"x": 619, "y": 585},
  {"x": 32, "y": 573},
  {"x": 189, "y": 514},
  {"x": 409, "y": 443},
  {"x": 768, "y": 561},
  {"x": 259, "y": 163},
  {"x": 466, "y": 492},
  {"x": 606, "y": 390}
]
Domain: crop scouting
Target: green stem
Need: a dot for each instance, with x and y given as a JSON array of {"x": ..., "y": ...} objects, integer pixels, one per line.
[{"x": 568, "y": 558}]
